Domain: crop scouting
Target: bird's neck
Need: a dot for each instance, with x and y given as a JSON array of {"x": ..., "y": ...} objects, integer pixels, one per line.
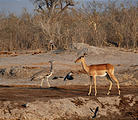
[
  {"x": 51, "y": 73},
  {"x": 51, "y": 68}
]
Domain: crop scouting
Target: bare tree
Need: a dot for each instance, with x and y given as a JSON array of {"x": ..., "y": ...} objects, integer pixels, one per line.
[
  {"x": 51, "y": 11},
  {"x": 53, "y": 8}
]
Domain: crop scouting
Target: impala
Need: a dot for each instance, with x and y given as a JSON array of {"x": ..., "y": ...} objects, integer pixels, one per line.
[{"x": 93, "y": 71}]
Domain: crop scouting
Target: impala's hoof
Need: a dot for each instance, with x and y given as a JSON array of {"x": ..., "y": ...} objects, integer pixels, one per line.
[
  {"x": 108, "y": 93},
  {"x": 95, "y": 93}
]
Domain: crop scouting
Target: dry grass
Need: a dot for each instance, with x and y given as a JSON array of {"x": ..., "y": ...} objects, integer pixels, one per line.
[{"x": 94, "y": 23}]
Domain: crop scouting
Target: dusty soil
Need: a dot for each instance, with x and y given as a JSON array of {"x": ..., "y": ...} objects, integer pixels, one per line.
[
  {"x": 23, "y": 99},
  {"x": 31, "y": 93},
  {"x": 29, "y": 99}
]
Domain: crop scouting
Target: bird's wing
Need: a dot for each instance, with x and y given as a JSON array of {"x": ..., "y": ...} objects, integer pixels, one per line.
[
  {"x": 95, "y": 113},
  {"x": 96, "y": 110},
  {"x": 39, "y": 74},
  {"x": 91, "y": 110},
  {"x": 71, "y": 78},
  {"x": 65, "y": 78},
  {"x": 94, "y": 116},
  {"x": 68, "y": 76}
]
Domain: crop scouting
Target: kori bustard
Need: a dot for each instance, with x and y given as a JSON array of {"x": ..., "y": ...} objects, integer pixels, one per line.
[{"x": 41, "y": 75}]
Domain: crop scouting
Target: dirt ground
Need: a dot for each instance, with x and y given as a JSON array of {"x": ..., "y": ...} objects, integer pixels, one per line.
[
  {"x": 22, "y": 99},
  {"x": 31, "y": 93},
  {"x": 26, "y": 102}
]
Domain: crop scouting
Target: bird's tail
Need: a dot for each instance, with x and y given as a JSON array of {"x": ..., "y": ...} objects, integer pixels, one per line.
[
  {"x": 32, "y": 78},
  {"x": 65, "y": 78},
  {"x": 91, "y": 110}
]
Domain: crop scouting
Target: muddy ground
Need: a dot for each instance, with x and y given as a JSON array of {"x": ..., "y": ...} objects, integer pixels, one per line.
[{"x": 23, "y": 99}]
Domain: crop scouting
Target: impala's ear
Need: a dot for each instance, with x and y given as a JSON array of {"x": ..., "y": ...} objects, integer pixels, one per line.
[{"x": 84, "y": 54}]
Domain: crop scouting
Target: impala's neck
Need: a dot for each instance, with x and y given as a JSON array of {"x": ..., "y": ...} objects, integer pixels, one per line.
[{"x": 84, "y": 65}]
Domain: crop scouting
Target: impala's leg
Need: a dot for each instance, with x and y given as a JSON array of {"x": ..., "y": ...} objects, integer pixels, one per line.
[
  {"x": 90, "y": 89},
  {"x": 94, "y": 78},
  {"x": 111, "y": 82},
  {"x": 115, "y": 79},
  {"x": 48, "y": 82},
  {"x": 42, "y": 82}
]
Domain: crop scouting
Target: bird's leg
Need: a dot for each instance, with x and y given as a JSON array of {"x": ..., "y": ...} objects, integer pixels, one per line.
[
  {"x": 48, "y": 83},
  {"x": 42, "y": 82}
]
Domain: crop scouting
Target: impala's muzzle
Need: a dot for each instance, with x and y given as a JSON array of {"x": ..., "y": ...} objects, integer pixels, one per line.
[{"x": 75, "y": 61}]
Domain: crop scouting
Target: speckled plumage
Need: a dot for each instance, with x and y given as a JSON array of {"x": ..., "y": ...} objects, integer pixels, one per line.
[{"x": 41, "y": 75}]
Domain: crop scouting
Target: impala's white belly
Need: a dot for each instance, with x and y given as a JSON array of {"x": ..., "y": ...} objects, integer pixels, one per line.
[{"x": 102, "y": 75}]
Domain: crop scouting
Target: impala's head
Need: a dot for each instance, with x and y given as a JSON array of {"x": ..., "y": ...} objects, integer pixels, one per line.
[
  {"x": 81, "y": 58},
  {"x": 51, "y": 61}
]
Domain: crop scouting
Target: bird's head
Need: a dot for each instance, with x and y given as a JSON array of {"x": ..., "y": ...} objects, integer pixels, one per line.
[{"x": 70, "y": 73}]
